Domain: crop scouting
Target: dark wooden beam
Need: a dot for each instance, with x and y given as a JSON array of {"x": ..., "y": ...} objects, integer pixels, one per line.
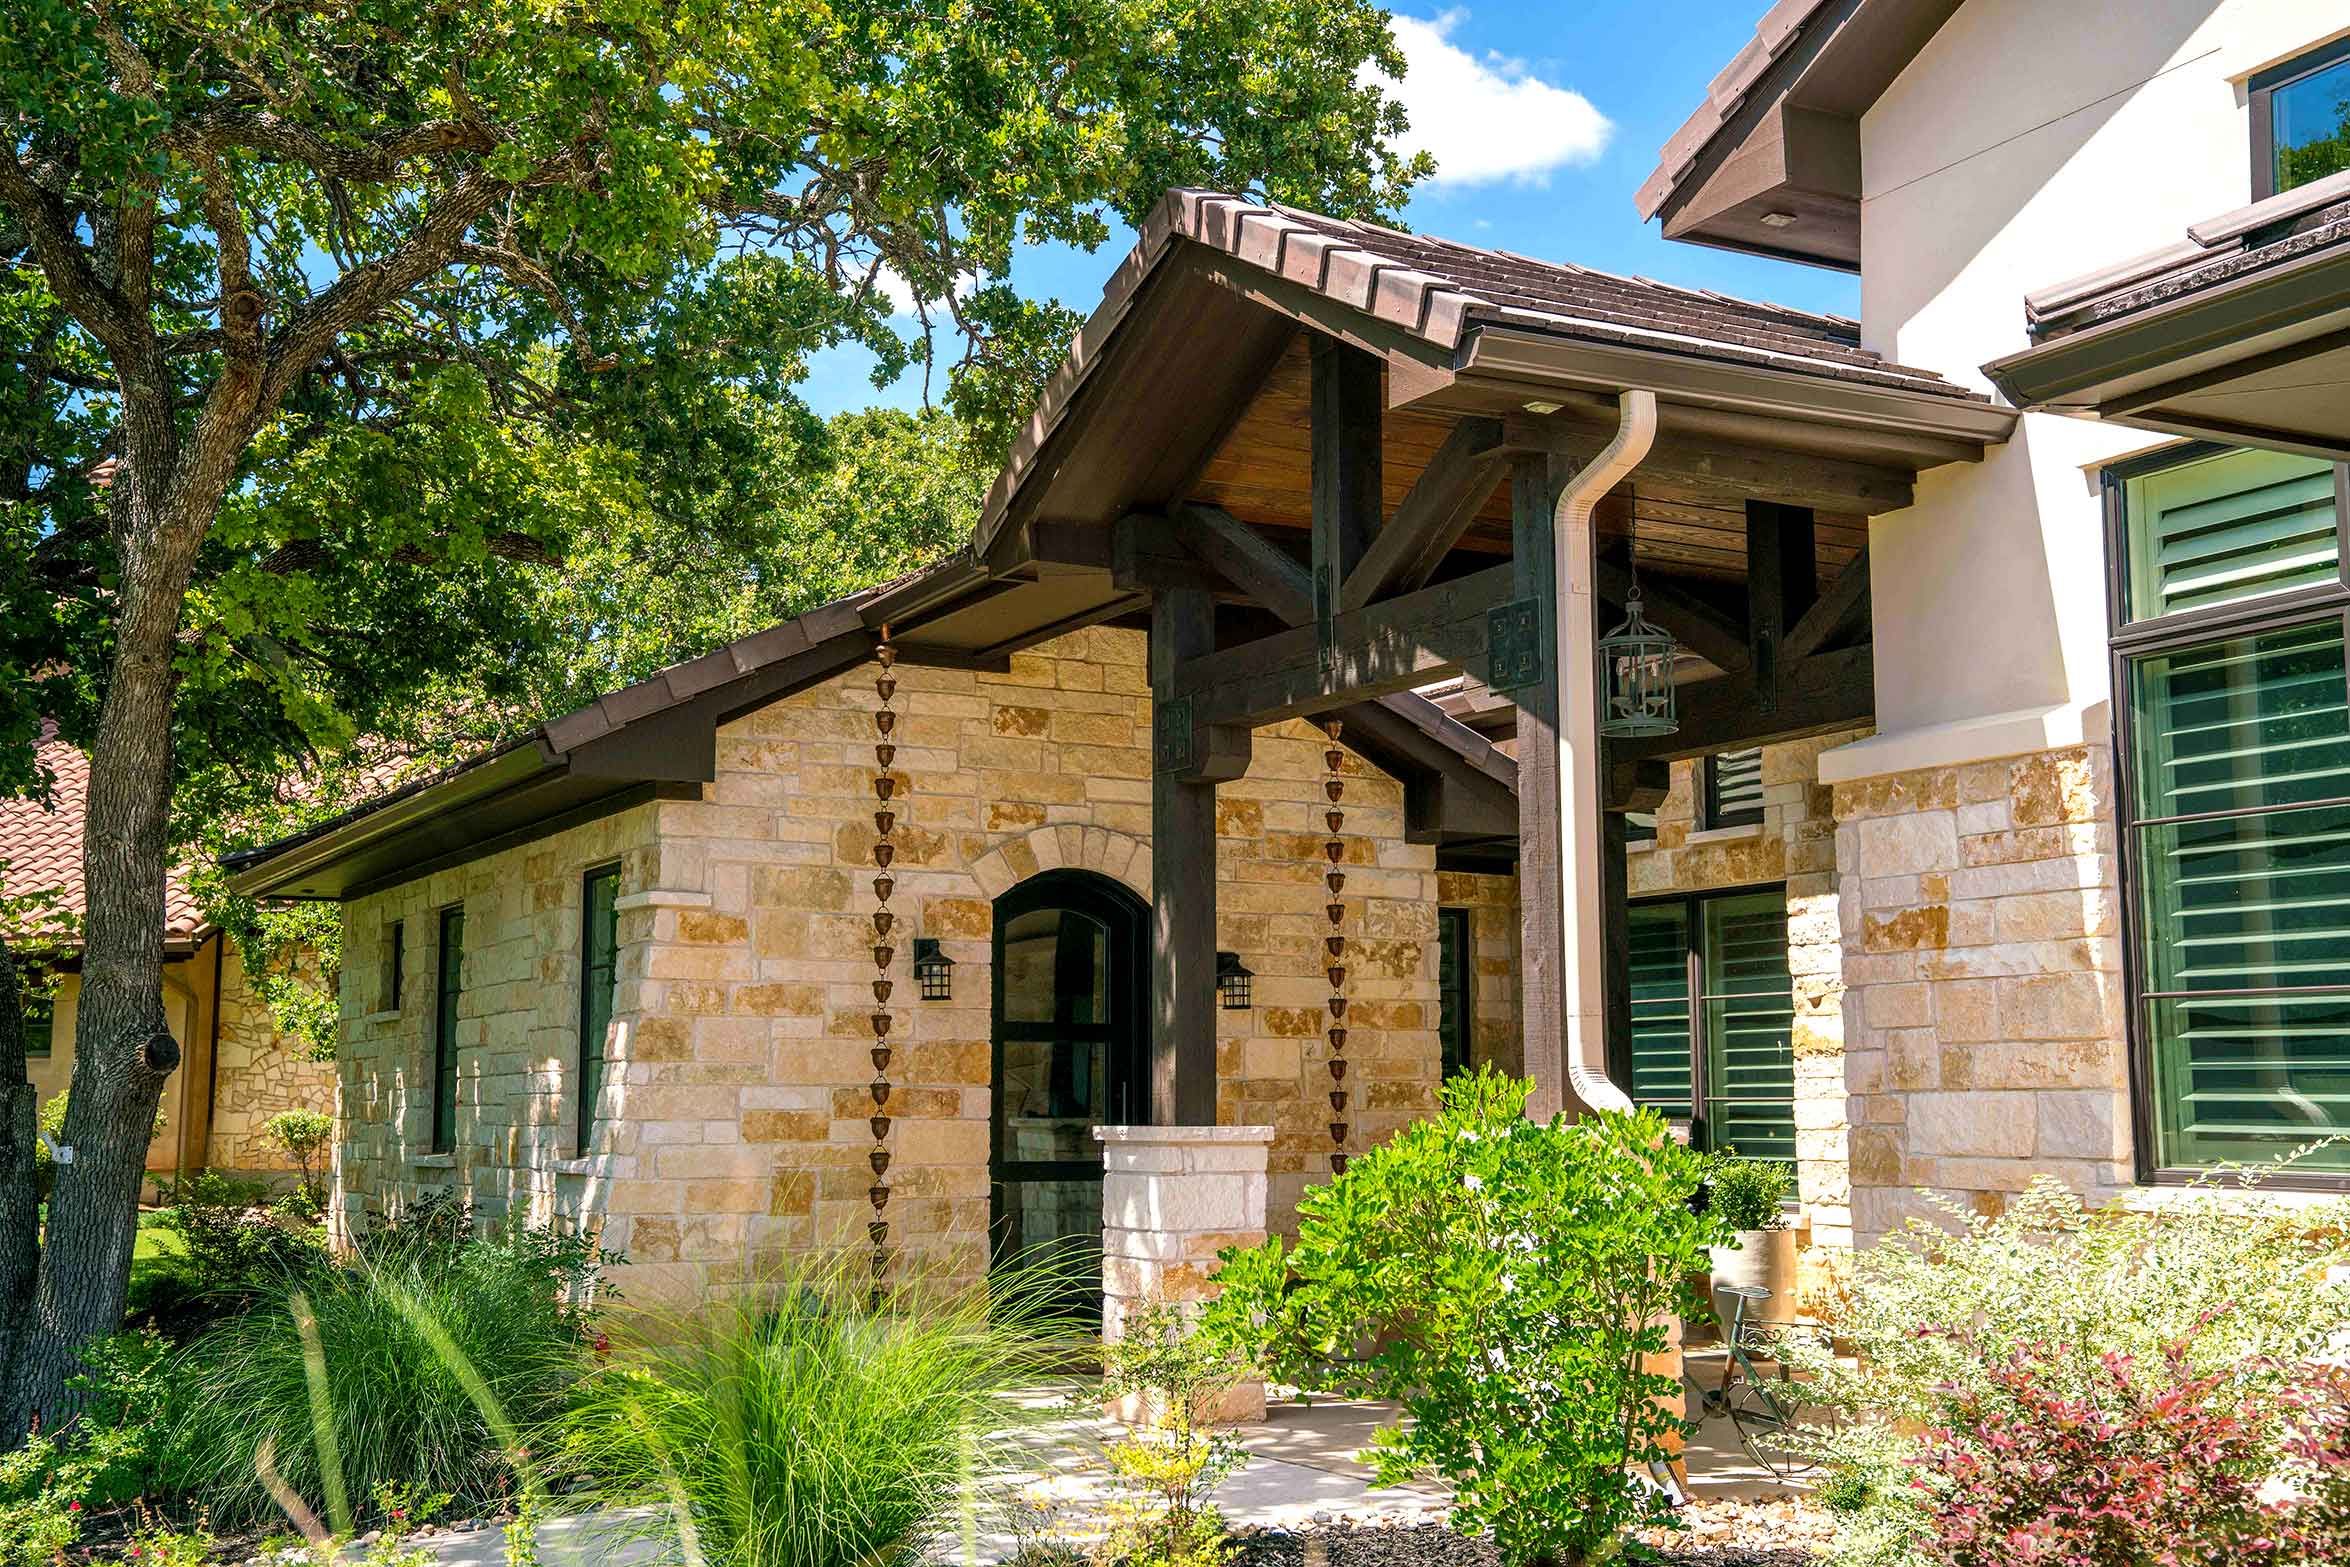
[
  {"x": 1542, "y": 949},
  {"x": 1149, "y": 553},
  {"x": 1343, "y": 404},
  {"x": 1824, "y": 692},
  {"x": 1731, "y": 467},
  {"x": 1443, "y": 501},
  {"x": 1248, "y": 560},
  {"x": 1698, "y": 626},
  {"x": 1183, "y": 881},
  {"x": 1393, "y": 645},
  {"x": 1843, "y": 607},
  {"x": 1782, "y": 573},
  {"x": 1636, "y": 785}
]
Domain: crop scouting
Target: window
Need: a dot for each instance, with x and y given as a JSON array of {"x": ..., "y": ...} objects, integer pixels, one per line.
[
  {"x": 1455, "y": 987},
  {"x": 2301, "y": 120},
  {"x": 599, "y": 967},
  {"x": 2235, "y": 735},
  {"x": 449, "y": 984},
  {"x": 395, "y": 965},
  {"x": 1733, "y": 788},
  {"x": 1713, "y": 1017},
  {"x": 40, "y": 1022}
]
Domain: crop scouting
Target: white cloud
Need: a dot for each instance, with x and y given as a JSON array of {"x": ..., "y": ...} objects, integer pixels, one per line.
[{"x": 1488, "y": 118}]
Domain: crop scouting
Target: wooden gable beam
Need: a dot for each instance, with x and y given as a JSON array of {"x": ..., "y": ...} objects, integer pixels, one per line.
[
  {"x": 1730, "y": 467},
  {"x": 1844, "y": 606},
  {"x": 1249, "y": 561},
  {"x": 1443, "y": 502},
  {"x": 1344, "y": 404},
  {"x": 1782, "y": 576}
]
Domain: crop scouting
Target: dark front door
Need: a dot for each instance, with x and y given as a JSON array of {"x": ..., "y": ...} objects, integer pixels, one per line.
[{"x": 1069, "y": 1032}]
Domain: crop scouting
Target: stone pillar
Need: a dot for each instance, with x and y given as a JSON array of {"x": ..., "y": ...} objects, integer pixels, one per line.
[{"x": 1173, "y": 1197}]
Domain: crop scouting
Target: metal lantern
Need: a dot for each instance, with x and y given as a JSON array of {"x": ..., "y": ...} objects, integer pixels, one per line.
[
  {"x": 934, "y": 971},
  {"x": 1637, "y": 689},
  {"x": 1232, "y": 978}
]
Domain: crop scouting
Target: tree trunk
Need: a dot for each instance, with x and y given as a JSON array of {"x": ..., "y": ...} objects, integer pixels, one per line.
[
  {"x": 20, "y": 1189},
  {"x": 123, "y": 1049}
]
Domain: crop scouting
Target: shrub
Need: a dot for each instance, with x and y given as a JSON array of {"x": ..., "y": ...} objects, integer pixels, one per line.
[
  {"x": 233, "y": 1249},
  {"x": 1749, "y": 1194},
  {"x": 1503, "y": 1280},
  {"x": 112, "y": 1454},
  {"x": 1935, "y": 1310},
  {"x": 305, "y": 1136},
  {"x": 399, "y": 1412},
  {"x": 1170, "y": 1465},
  {"x": 797, "y": 1426}
]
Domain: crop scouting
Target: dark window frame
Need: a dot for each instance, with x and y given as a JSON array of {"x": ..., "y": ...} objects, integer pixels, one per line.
[
  {"x": 1692, "y": 905},
  {"x": 448, "y": 994},
  {"x": 1710, "y": 813},
  {"x": 2261, "y": 92},
  {"x": 592, "y": 1064},
  {"x": 2129, "y": 641},
  {"x": 1461, "y": 921},
  {"x": 42, "y": 1004},
  {"x": 395, "y": 966}
]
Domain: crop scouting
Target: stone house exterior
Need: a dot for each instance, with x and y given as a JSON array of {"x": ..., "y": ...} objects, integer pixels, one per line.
[
  {"x": 237, "y": 1068},
  {"x": 1989, "y": 838}
]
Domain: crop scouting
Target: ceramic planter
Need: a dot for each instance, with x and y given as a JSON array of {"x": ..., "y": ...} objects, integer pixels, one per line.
[{"x": 1761, "y": 1257}]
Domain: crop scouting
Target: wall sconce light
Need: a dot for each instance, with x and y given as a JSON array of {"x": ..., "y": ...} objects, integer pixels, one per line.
[
  {"x": 1232, "y": 979},
  {"x": 934, "y": 971}
]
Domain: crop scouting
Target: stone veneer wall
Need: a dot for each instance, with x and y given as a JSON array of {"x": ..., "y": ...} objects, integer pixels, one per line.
[
  {"x": 1795, "y": 844},
  {"x": 1984, "y": 1008},
  {"x": 258, "y": 1071},
  {"x": 734, "y": 1124},
  {"x": 1497, "y": 1034}
]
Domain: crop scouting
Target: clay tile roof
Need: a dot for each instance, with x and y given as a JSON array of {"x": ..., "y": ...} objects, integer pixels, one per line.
[
  {"x": 1779, "y": 28},
  {"x": 41, "y": 848},
  {"x": 1440, "y": 289},
  {"x": 2268, "y": 233}
]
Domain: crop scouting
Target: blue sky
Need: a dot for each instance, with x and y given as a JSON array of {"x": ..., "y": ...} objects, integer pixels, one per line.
[{"x": 1544, "y": 118}]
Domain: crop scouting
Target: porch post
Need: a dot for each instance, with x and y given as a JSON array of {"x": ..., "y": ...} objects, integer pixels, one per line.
[
  {"x": 1541, "y": 940},
  {"x": 1183, "y": 874}
]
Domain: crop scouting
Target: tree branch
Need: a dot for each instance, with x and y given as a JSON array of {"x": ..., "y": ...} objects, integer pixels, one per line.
[{"x": 76, "y": 283}]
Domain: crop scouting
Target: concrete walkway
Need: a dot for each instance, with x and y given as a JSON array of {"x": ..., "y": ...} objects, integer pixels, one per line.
[{"x": 1301, "y": 1470}]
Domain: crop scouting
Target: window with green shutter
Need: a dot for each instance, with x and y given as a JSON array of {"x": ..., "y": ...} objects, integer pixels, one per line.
[
  {"x": 1712, "y": 1018},
  {"x": 2237, "y": 839},
  {"x": 448, "y": 988},
  {"x": 1733, "y": 788},
  {"x": 599, "y": 969},
  {"x": 2228, "y": 528}
]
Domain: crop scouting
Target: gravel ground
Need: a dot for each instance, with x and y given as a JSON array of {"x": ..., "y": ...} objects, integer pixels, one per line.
[{"x": 1719, "y": 1534}]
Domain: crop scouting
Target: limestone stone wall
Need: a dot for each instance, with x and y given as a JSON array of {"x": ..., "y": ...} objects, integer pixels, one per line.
[
  {"x": 734, "y": 1129},
  {"x": 1984, "y": 1010},
  {"x": 258, "y": 1071},
  {"x": 1497, "y": 1034},
  {"x": 1794, "y": 844}
]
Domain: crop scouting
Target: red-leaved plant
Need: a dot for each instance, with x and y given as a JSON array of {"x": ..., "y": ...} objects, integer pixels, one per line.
[{"x": 2159, "y": 1466}]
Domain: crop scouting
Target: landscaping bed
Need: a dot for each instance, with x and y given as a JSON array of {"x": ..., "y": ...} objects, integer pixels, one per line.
[{"x": 1719, "y": 1534}]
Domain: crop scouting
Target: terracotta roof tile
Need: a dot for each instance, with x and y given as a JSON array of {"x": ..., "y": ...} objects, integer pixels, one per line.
[{"x": 41, "y": 849}]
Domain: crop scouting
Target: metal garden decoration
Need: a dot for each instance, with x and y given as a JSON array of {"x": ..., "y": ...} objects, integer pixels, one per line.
[{"x": 1636, "y": 660}]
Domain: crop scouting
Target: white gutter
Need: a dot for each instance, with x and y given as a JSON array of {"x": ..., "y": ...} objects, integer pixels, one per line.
[{"x": 1583, "y": 984}]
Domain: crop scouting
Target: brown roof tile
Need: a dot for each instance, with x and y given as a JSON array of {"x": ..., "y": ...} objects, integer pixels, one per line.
[{"x": 41, "y": 848}]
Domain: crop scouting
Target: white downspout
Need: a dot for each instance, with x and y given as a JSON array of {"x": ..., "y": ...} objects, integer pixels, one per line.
[{"x": 1583, "y": 984}]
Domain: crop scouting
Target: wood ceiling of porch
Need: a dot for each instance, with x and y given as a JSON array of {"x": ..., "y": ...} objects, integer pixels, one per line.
[{"x": 1261, "y": 472}]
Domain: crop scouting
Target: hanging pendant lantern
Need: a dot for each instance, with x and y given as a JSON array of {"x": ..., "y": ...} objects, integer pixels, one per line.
[{"x": 1637, "y": 687}]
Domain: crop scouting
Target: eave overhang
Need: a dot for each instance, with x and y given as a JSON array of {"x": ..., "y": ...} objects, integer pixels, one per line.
[{"x": 2248, "y": 344}]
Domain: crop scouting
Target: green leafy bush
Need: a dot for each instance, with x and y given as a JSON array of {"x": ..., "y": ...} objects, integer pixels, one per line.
[
  {"x": 400, "y": 1414},
  {"x": 795, "y": 1426},
  {"x": 1749, "y": 1194},
  {"x": 233, "y": 1248},
  {"x": 1169, "y": 1466},
  {"x": 305, "y": 1135},
  {"x": 1936, "y": 1309},
  {"x": 52, "y": 1484},
  {"x": 1502, "y": 1279}
]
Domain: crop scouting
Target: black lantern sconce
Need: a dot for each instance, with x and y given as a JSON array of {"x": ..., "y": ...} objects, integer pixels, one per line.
[
  {"x": 1232, "y": 979},
  {"x": 934, "y": 971}
]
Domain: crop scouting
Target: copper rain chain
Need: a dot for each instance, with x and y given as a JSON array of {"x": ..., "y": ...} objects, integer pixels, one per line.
[
  {"x": 1334, "y": 945},
  {"x": 885, "y": 821}
]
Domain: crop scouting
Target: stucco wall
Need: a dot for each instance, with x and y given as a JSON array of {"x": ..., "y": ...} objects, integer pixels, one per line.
[{"x": 735, "y": 1118}]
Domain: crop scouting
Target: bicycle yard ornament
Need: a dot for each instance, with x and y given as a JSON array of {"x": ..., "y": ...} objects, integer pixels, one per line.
[{"x": 1636, "y": 663}]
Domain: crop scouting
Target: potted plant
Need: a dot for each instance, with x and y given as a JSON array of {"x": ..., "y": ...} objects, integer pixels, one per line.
[{"x": 1750, "y": 1195}]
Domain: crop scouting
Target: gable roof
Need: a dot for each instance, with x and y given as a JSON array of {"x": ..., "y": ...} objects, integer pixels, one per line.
[
  {"x": 1778, "y": 132},
  {"x": 41, "y": 847}
]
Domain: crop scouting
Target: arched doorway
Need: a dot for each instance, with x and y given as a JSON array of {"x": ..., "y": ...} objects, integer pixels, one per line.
[{"x": 1071, "y": 1004}]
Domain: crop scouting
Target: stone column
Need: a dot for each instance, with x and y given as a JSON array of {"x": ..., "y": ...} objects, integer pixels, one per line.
[{"x": 1173, "y": 1197}]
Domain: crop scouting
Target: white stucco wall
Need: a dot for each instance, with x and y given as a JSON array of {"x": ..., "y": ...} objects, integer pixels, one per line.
[{"x": 2030, "y": 142}]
